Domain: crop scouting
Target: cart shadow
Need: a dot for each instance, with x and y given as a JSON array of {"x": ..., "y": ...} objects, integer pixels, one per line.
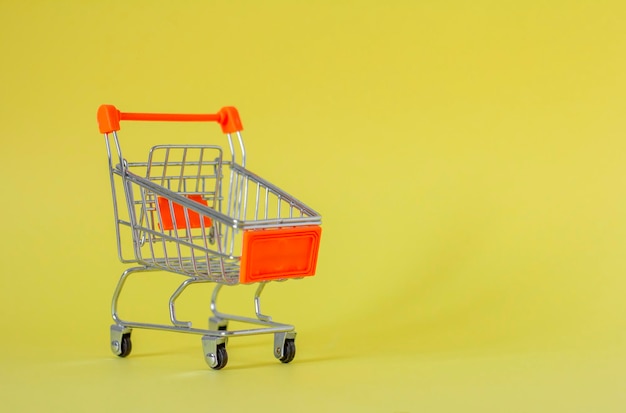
[
  {"x": 192, "y": 351},
  {"x": 297, "y": 361},
  {"x": 153, "y": 354}
]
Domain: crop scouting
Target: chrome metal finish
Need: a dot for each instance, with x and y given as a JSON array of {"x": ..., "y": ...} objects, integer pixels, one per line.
[
  {"x": 209, "y": 347},
  {"x": 217, "y": 324},
  {"x": 179, "y": 290},
  {"x": 224, "y": 316},
  {"x": 118, "y": 291},
  {"x": 117, "y": 332},
  {"x": 257, "y": 303},
  {"x": 279, "y": 342},
  {"x": 243, "y": 149},
  {"x": 183, "y": 211}
]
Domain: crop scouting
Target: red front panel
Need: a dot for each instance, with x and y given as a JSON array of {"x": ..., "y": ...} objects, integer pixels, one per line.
[{"x": 279, "y": 253}]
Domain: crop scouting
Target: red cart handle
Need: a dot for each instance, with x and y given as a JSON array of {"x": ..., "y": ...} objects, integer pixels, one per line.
[{"x": 109, "y": 118}]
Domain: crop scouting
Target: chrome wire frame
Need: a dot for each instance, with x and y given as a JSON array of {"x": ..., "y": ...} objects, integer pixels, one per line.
[
  {"x": 267, "y": 325},
  {"x": 208, "y": 252}
]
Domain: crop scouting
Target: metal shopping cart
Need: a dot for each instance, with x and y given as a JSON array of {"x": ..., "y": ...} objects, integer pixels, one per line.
[{"x": 190, "y": 210}]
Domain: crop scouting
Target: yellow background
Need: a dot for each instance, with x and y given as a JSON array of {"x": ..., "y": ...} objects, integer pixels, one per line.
[{"x": 467, "y": 159}]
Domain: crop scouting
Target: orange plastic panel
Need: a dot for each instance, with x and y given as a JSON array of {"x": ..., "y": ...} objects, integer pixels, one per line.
[
  {"x": 279, "y": 253},
  {"x": 179, "y": 214}
]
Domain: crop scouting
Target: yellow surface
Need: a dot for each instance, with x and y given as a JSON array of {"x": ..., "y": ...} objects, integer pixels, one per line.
[{"x": 467, "y": 158}]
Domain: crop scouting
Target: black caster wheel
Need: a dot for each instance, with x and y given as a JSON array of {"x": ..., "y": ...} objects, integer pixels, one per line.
[
  {"x": 289, "y": 351},
  {"x": 222, "y": 357},
  {"x": 126, "y": 346}
]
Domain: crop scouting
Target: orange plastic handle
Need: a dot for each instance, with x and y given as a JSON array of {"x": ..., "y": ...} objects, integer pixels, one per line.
[{"x": 109, "y": 118}]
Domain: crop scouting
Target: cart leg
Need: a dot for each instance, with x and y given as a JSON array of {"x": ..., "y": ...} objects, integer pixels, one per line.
[
  {"x": 118, "y": 291},
  {"x": 257, "y": 303},
  {"x": 215, "y": 351},
  {"x": 177, "y": 293},
  {"x": 120, "y": 334},
  {"x": 120, "y": 340},
  {"x": 218, "y": 321},
  {"x": 285, "y": 346}
]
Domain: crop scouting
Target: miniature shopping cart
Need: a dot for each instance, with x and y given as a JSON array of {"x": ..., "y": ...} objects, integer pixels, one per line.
[{"x": 195, "y": 211}]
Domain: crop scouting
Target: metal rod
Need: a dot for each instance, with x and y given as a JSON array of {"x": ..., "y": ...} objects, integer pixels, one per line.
[
  {"x": 257, "y": 303},
  {"x": 172, "y": 302}
]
